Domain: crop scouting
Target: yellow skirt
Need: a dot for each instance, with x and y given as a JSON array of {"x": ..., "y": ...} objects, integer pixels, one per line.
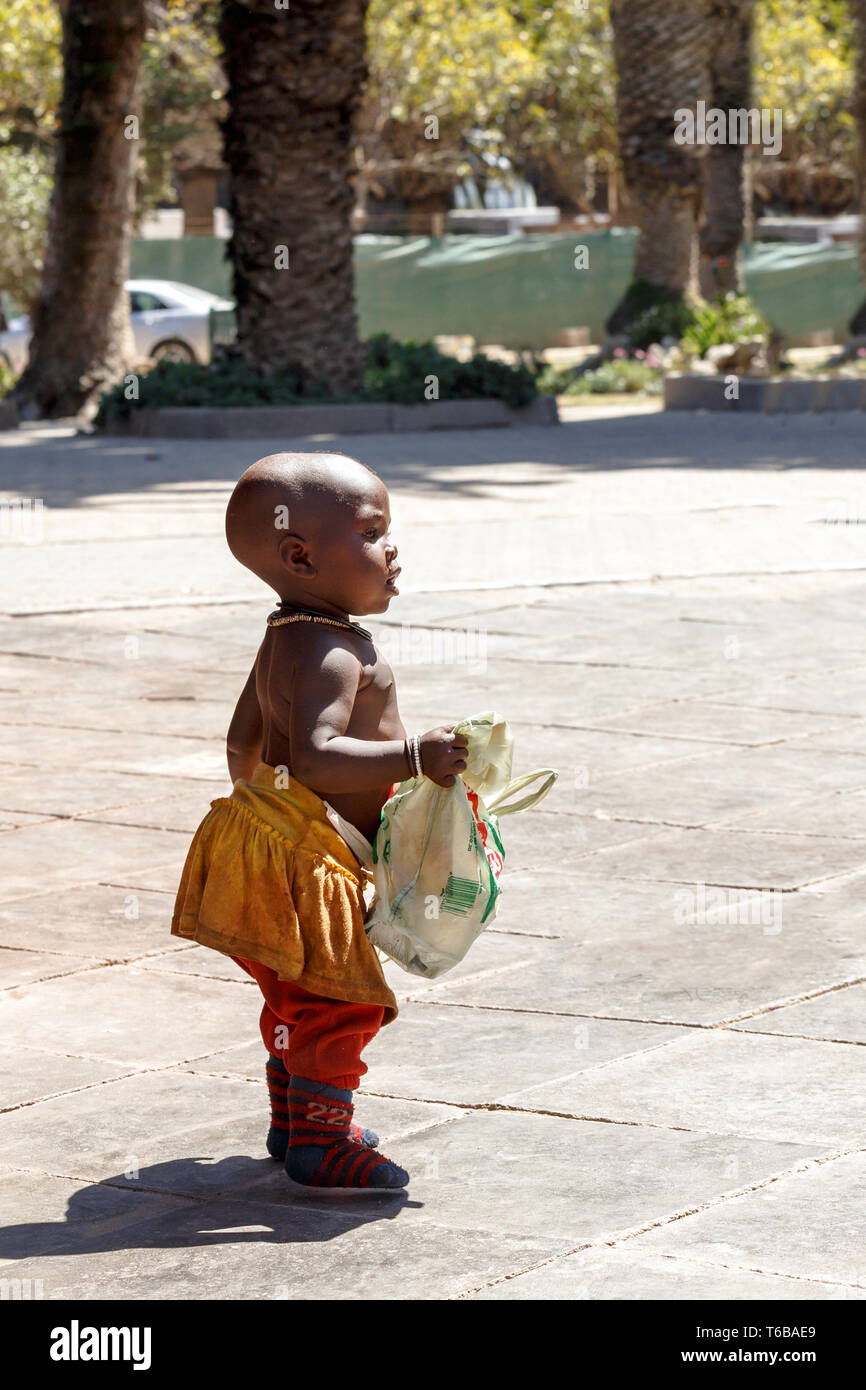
[{"x": 268, "y": 878}]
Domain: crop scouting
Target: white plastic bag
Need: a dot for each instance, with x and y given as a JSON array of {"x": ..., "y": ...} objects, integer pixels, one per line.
[{"x": 438, "y": 854}]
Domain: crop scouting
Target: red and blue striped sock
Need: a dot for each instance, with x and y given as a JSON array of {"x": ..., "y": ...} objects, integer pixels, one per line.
[
  {"x": 277, "y": 1076},
  {"x": 321, "y": 1150}
]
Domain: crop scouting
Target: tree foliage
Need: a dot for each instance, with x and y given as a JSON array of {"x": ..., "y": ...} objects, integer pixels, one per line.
[
  {"x": 527, "y": 83},
  {"x": 182, "y": 94},
  {"x": 804, "y": 63},
  {"x": 30, "y": 78}
]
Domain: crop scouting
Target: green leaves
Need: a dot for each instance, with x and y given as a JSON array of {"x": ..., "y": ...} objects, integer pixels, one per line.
[
  {"x": 729, "y": 321},
  {"x": 394, "y": 372},
  {"x": 25, "y": 191},
  {"x": 804, "y": 58}
]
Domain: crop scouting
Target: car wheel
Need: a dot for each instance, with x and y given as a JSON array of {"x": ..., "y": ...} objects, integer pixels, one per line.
[{"x": 172, "y": 350}]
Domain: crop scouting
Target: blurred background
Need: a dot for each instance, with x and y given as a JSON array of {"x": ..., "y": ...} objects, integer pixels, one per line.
[{"x": 515, "y": 184}]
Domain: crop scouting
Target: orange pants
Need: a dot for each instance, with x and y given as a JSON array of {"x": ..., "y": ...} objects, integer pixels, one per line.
[{"x": 319, "y": 1038}]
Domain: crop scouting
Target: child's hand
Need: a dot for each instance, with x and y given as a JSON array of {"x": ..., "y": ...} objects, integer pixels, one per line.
[{"x": 443, "y": 755}]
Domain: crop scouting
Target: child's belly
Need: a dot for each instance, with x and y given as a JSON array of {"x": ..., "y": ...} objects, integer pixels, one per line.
[{"x": 363, "y": 809}]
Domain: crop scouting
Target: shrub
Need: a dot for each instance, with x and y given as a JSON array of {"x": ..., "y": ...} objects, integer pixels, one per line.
[
  {"x": 8, "y": 378},
  {"x": 622, "y": 376},
  {"x": 554, "y": 381},
  {"x": 394, "y": 371},
  {"x": 729, "y": 321},
  {"x": 666, "y": 320}
]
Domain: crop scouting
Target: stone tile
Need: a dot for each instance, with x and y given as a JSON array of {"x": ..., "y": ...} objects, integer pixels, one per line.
[
  {"x": 848, "y": 737},
  {"x": 840, "y": 1015},
  {"x": 720, "y": 786},
  {"x": 182, "y": 813},
  {"x": 111, "y": 923},
  {"x": 141, "y": 640},
  {"x": 494, "y": 950},
  {"x": 473, "y": 1056},
  {"x": 247, "y": 1060},
  {"x": 734, "y": 857},
  {"x": 391, "y": 1117},
  {"x": 22, "y": 675},
  {"x": 629, "y": 950},
  {"x": 120, "y": 1013},
  {"x": 226, "y": 1250},
  {"x": 721, "y": 723},
  {"x": 570, "y": 904},
  {"x": 62, "y": 791},
  {"x": 557, "y": 694},
  {"x": 11, "y": 820},
  {"x": 728, "y": 1083},
  {"x": 118, "y": 751},
  {"x": 23, "y": 967},
  {"x": 42, "y": 1215},
  {"x": 185, "y": 1133},
  {"x": 843, "y": 693},
  {"x": 577, "y": 1180},
  {"x": 29, "y": 1074},
  {"x": 175, "y": 707},
  {"x": 164, "y": 879},
  {"x": 808, "y": 1225},
  {"x": 583, "y": 755},
  {"x": 684, "y": 715},
  {"x": 196, "y": 960},
  {"x": 839, "y": 815},
  {"x": 542, "y": 839},
  {"x": 60, "y": 853},
  {"x": 626, "y": 1273}
]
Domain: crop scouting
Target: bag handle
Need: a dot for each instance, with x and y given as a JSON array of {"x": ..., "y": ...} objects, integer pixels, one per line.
[{"x": 500, "y": 809}]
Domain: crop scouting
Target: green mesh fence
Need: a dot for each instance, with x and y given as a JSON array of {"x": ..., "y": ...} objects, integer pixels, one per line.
[{"x": 521, "y": 291}]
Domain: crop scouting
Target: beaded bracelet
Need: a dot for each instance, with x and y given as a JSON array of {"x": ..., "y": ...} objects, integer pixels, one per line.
[{"x": 412, "y": 750}]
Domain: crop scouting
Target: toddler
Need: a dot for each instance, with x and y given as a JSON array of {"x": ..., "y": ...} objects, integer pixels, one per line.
[{"x": 275, "y": 873}]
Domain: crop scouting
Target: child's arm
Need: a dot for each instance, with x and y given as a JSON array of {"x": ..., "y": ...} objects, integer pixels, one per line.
[
  {"x": 244, "y": 738},
  {"x": 323, "y": 757}
]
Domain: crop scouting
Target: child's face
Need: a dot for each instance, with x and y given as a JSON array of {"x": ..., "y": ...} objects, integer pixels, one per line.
[{"x": 360, "y": 554}]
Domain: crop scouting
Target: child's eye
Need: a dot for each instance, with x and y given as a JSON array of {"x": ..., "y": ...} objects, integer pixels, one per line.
[{"x": 373, "y": 533}]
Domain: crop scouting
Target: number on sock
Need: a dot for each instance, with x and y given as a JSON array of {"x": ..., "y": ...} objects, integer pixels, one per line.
[{"x": 326, "y": 1113}]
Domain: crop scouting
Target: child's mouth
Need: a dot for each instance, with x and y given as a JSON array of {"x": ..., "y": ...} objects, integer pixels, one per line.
[{"x": 389, "y": 582}]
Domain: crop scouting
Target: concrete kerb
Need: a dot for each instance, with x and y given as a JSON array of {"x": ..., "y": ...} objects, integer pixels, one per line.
[
  {"x": 771, "y": 395},
  {"x": 251, "y": 422}
]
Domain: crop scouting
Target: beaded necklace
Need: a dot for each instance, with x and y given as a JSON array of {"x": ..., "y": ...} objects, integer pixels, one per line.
[{"x": 279, "y": 618}]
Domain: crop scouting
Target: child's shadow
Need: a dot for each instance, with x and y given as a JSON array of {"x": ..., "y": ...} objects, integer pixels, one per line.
[{"x": 189, "y": 1202}]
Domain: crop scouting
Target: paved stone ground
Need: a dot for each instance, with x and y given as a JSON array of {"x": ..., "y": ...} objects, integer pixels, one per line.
[{"x": 646, "y": 1079}]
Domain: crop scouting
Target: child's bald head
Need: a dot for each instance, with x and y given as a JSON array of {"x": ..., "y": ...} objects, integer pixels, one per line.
[{"x": 288, "y": 513}]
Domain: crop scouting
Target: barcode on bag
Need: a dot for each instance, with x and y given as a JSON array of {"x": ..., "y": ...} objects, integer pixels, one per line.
[{"x": 459, "y": 895}]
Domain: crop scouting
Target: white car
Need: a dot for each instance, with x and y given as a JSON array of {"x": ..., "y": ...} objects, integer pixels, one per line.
[{"x": 169, "y": 321}]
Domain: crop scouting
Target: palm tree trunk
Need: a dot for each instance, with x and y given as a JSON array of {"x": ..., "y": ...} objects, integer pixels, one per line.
[
  {"x": 724, "y": 170},
  {"x": 858, "y": 9},
  {"x": 661, "y": 59},
  {"x": 82, "y": 341},
  {"x": 295, "y": 78}
]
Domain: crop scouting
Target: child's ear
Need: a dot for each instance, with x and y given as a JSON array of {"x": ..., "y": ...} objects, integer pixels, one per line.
[{"x": 295, "y": 556}]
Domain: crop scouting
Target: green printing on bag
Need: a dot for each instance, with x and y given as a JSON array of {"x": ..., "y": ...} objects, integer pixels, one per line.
[{"x": 458, "y": 896}]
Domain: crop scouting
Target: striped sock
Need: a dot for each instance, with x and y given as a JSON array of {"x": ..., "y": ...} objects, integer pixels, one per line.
[
  {"x": 321, "y": 1151},
  {"x": 277, "y": 1076}
]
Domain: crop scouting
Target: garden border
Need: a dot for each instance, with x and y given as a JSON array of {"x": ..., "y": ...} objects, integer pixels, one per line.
[
  {"x": 251, "y": 422},
  {"x": 770, "y": 395}
]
